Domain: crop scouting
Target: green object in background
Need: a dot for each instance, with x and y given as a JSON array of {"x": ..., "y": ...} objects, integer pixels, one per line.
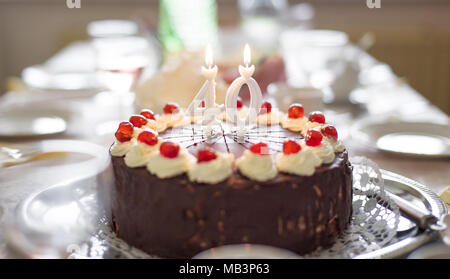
[{"x": 187, "y": 24}]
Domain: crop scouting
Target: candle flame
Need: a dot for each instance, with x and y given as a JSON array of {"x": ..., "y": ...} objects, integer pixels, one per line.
[
  {"x": 208, "y": 56},
  {"x": 247, "y": 55}
]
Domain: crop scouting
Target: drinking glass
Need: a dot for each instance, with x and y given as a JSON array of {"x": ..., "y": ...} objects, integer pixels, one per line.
[
  {"x": 121, "y": 57},
  {"x": 313, "y": 57},
  {"x": 120, "y": 62},
  {"x": 262, "y": 21}
]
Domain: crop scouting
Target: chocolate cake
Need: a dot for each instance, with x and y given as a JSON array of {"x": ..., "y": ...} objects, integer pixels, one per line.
[{"x": 176, "y": 217}]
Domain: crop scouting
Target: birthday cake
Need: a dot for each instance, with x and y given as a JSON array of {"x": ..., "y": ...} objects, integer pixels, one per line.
[{"x": 194, "y": 179}]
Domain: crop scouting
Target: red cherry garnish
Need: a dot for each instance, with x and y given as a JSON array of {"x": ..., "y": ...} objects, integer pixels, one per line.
[
  {"x": 296, "y": 111},
  {"x": 291, "y": 147},
  {"x": 330, "y": 132},
  {"x": 124, "y": 132},
  {"x": 313, "y": 137},
  {"x": 239, "y": 102},
  {"x": 205, "y": 155},
  {"x": 148, "y": 136},
  {"x": 316, "y": 116},
  {"x": 202, "y": 104},
  {"x": 138, "y": 121},
  {"x": 169, "y": 149},
  {"x": 266, "y": 108},
  {"x": 171, "y": 108},
  {"x": 148, "y": 114},
  {"x": 260, "y": 149}
]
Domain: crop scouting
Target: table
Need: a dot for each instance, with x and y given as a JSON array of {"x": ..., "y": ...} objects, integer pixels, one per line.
[{"x": 17, "y": 182}]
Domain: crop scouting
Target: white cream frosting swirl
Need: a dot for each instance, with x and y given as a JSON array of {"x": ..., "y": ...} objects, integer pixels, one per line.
[
  {"x": 175, "y": 119},
  {"x": 257, "y": 167},
  {"x": 157, "y": 125},
  {"x": 119, "y": 149},
  {"x": 164, "y": 167},
  {"x": 271, "y": 118},
  {"x": 294, "y": 124},
  {"x": 242, "y": 113},
  {"x": 302, "y": 163},
  {"x": 337, "y": 145},
  {"x": 213, "y": 171},
  {"x": 325, "y": 151},
  {"x": 311, "y": 125},
  {"x": 139, "y": 154},
  {"x": 137, "y": 131},
  {"x": 196, "y": 118}
]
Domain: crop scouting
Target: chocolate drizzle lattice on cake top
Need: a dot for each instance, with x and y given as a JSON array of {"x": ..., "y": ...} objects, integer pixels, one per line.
[{"x": 193, "y": 138}]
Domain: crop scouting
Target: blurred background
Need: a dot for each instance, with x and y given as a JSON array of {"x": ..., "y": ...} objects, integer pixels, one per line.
[{"x": 412, "y": 36}]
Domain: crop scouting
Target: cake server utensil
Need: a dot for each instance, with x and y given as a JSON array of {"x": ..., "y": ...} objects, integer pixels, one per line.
[{"x": 422, "y": 217}]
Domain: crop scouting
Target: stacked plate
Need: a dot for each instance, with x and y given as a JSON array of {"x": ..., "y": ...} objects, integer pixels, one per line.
[{"x": 402, "y": 138}]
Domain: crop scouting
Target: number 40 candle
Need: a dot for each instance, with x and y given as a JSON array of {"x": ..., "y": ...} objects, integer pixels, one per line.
[
  {"x": 208, "y": 94},
  {"x": 233, "y": 92}
]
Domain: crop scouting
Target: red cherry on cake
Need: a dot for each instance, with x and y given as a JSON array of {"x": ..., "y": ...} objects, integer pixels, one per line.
[
  {"x": 138, "y": 120},
  {"x": 291, "y": 147},
  {"x": 296, "y": 111},
  {"x": 260, "y": 148},
  {"x": 169, "y": 149},
  {"x": 148, "y": 114},
  {"x": 239, "y": 102},
  {"x": 124, "y": 132},
  {"x": 148, "y": 136},
  {"x": 171, "y": 108},
  {"x": 316, "y": 116},
  {"x": 202, "y": 104},
  {"x": 266, "y": 108},
  {"x": 313, "y": 137},
  {"x": 205, "y": 155},
  {"x": 330, "y": 132}
]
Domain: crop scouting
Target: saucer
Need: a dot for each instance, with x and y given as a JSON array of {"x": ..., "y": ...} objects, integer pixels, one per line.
[
  {"x": 403, "y": 138},
  {"x": 32, "y": 122}
]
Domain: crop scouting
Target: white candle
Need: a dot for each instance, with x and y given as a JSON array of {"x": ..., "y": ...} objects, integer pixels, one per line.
[
  {"x": 210, "y": 74},
  {"x": 208, "y": 94},
  {"x": 208, "y": 90},
  {"x": 233, "y": 92}
]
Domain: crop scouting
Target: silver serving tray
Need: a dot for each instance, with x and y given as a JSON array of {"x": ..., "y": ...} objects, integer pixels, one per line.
[
  {"x": 37, "y": 231},
  {"x": 420, "y": 195}
]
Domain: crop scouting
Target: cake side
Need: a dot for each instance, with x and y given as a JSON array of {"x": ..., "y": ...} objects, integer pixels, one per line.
[{"x": 177, "y": 218}]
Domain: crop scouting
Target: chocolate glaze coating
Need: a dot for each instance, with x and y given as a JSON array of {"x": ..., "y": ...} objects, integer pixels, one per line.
[{"x": 177, "y": 218}]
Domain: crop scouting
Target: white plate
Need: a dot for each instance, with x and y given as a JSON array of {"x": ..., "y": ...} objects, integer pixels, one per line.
[
  {"x": 247, "y": 251},
  {"x": 413, "y": 139},
  {"x": 28, "y": 121},
  {"x": 39, "y": 77},
  {"x": 62, "y": 214},
  {"x": 71, "y": 69}
]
